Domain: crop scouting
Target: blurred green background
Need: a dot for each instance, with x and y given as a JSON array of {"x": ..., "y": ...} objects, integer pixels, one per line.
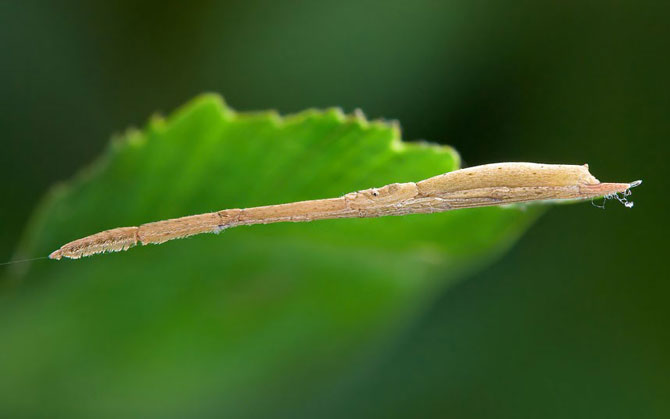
[{"x": 571, "y": 323}]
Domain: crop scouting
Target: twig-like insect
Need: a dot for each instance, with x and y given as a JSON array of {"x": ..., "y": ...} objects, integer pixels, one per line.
[{"x": 487, "y": 185}]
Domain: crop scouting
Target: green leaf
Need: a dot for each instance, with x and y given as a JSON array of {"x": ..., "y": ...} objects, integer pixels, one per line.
[{"x": 257, "y": 319}]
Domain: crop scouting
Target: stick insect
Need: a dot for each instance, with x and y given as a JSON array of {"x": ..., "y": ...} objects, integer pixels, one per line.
[{"x": 479, "y": 186}]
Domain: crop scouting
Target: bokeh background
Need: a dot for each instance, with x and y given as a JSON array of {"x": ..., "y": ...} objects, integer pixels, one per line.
[{"x": 573, "y": 322}]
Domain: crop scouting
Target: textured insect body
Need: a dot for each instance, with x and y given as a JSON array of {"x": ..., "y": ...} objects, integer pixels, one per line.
[{"x": 487, "y": 185}]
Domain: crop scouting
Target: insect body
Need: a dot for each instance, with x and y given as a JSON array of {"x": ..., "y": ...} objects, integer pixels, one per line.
[{"x": 487, "y": 185}]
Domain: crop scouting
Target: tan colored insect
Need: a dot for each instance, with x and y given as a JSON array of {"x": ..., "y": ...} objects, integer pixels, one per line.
[{"x": 487, "y": 185}]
